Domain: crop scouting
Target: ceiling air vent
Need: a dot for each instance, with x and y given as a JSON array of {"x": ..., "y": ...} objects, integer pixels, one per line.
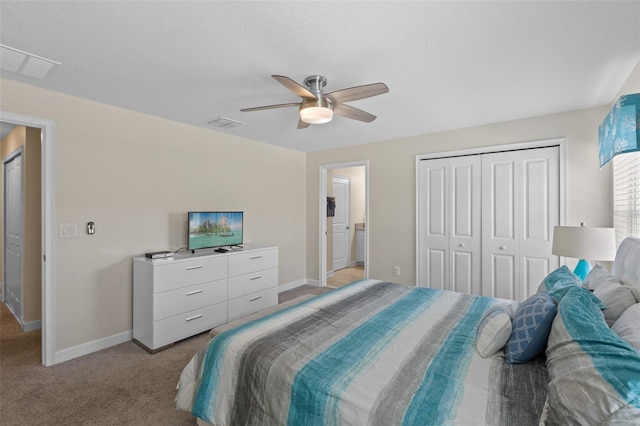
[
  {"x": 225, "y": 123},
  {"x": 25, "y": 63}
]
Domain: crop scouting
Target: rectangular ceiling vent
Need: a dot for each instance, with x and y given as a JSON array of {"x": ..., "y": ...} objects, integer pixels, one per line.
[
  {"x": 25, "y": 63},
  {"x": 225, "y": 123}
]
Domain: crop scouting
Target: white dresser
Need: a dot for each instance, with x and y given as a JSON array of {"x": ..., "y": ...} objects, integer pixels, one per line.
[{"x": 176, "y": 299}]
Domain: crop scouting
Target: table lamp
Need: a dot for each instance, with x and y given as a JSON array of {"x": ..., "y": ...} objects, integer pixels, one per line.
[{"x": 584, "y": 243}]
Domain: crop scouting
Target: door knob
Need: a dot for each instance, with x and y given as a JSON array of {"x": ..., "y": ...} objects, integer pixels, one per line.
[
  {"x": 502, "y": 247},
  {"x": 461, "y": 245}
]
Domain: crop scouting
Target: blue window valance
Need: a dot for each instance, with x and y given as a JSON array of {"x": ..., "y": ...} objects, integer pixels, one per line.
[{"x": 620, "y": 130}]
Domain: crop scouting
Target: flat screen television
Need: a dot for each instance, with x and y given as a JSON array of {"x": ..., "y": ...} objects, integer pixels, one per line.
[{"x": 214, "y": 229}]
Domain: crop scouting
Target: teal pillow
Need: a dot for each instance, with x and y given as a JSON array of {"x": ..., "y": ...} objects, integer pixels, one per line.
[
  {"x": 594, "y": 375},
  {"x": 558, "y": 282},
  {"x": 530, "y": 329}
]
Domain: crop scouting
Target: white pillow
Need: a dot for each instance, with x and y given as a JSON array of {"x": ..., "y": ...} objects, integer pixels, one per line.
[
  {"x": 627, "y": 325},
  {"x": 494, "y": 330}
]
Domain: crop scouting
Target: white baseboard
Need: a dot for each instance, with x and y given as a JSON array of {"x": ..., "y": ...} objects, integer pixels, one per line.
[
  {"x": 32, "y": 325},
  {"x": 292, "y": 285},
  {"x": 90, "y": 347},
  {"x": 126, "y": 336}
]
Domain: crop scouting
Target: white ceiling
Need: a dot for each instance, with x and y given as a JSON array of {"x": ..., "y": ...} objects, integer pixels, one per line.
[{"x": 448, "y": 65}]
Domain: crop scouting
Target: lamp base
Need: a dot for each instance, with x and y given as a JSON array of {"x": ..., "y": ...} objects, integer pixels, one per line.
[{"x": 582, "y": 269}]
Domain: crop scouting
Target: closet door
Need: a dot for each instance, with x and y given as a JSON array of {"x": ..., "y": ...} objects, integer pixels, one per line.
[
  {"x": 449, "y": 222},
  {"x": 519, "y": 209}
]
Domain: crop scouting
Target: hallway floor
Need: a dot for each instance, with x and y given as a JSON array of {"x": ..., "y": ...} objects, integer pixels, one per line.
[{"x": 345, "y": 276}]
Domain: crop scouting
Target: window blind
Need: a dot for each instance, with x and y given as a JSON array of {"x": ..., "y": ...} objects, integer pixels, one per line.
[{"x": 626, "y": 195}]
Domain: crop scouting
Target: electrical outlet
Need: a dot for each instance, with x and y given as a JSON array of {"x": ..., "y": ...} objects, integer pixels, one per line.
[{"x": 396, "y": 271}]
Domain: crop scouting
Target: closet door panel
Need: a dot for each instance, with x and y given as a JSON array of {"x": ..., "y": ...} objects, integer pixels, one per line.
[
  {"x": 433, "y": 198},
  {"x": 500, "y": 213},
  {"x": 540, "y": 189},
  {"x": 534, "y": 269},
  {"x": 465, "y": 239},
  {"x": 436, "y": 269},
  {"x": 503, "y": 276}
]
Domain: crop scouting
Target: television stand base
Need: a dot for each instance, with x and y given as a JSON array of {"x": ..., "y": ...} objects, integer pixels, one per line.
[{"x": 221, "y": 250}]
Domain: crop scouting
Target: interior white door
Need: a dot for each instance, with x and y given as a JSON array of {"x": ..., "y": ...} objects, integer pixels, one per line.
[
  {"x": 13, "y": 206},
  {"x": 341, "y": 252},
  {"x": 520, "y": 207},
  {"x": 450, "y": 233}
]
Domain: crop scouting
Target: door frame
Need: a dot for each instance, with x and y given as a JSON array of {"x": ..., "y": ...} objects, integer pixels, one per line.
[
  {"x": 47, "y": 138},
  {"x": 543, "y": 143},
  {"x": 322, "y": 216}
]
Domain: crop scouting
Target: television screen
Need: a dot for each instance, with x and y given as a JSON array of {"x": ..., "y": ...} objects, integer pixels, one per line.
[{"x": 214, "y": 229}]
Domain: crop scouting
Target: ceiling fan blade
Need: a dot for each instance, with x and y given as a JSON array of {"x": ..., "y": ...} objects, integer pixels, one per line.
[
  {"x": 357, "y": 92},
  {"x": 302, "y": 124},
  {"x": 294, "y": 87},
  {"x": 354, "y": 113},
  {"x": 260, "y": 108}
]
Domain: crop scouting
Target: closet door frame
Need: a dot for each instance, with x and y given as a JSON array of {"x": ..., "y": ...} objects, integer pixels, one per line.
[{"x": 545, "y": 143}]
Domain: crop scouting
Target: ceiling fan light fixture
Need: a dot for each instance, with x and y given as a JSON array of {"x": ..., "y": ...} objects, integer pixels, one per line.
[{"x": 316, "y": 111}]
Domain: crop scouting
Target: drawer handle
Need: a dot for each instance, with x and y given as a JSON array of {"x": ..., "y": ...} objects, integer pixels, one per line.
[
  {"x": 194, "y": 292},
  {"x": 194, "y": 267},
  {"x": 255, "y": 298},
  {"x": 255, "y": 257},
  {"x": 255, "y": 278},
  {"x": 194, "y": 317}
]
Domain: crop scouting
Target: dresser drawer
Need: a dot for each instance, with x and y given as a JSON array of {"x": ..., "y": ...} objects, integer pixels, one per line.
[
  {"x": 174, "y": 302},
  {"x": 181, "y": 326},
  {"x": 245, "y": 263},
  {"x": 250, "y": 283},
  {"x": 254, "y": 302},
  {"x": 177, "y": 274}
]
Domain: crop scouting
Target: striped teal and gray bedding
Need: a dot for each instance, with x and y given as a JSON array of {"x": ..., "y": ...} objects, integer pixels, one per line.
[
  {"x": 369, "y": 353},
  {"x": 594, "y": 374}
]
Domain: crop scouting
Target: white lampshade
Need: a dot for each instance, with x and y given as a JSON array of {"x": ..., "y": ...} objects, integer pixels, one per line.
[
  {"x": 583, "y": 242},
  {"x": 316, "y": 111}
]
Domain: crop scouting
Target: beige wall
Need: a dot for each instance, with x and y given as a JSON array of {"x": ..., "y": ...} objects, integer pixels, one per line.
[
  {"x": 29, "y": 139},
  {"x": 632, "y": 85},
  {"x": 136, "y": 176},
  {"x": 392, "y": 221}
]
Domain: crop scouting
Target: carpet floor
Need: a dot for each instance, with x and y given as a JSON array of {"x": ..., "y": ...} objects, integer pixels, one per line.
[{"x": 121, "y": 385}]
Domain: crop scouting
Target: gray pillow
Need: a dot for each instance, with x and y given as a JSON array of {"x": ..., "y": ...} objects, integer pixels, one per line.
[
  {"x": 598, "y": 276},
  {"x": 617, "y": 298},
  {"x": 627, "y": 325}
]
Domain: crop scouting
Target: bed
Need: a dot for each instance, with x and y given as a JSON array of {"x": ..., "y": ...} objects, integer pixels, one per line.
[{"x": 381, "y": 353}]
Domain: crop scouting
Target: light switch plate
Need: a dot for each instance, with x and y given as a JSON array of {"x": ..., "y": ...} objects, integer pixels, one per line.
[{"x": 68, "y": 230}]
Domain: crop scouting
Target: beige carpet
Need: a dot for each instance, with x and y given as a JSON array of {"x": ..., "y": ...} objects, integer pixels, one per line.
[{"x": 121, "y": 385}]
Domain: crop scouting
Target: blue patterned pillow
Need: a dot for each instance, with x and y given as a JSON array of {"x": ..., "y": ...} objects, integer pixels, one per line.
[{"x": 530, "y": 329}]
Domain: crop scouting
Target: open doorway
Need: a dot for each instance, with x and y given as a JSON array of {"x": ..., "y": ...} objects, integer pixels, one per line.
[
  {"x": 41, "y": 252},
  {"x": 343, "y": 217}
]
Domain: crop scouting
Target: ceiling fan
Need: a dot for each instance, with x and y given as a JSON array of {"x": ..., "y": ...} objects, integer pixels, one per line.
[{"x": 317, "y": 107}]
